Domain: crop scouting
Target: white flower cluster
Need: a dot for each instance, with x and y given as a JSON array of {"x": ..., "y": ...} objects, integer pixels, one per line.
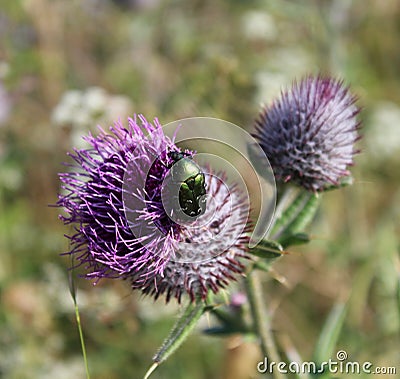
[
  {"x": 259, "y": 25},
  {"x": 383, "y": 133},
  {"x": 82, "y": 110}
]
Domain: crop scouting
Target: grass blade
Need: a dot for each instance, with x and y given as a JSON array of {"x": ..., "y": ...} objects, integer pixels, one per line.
[
  {"x": 180, "y": 331},
  {"x": 72, "y": 289},
  {"x": 329, "y": 336}
]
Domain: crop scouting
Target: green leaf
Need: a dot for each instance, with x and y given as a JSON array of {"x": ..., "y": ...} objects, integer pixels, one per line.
[
  {"x": 294, "y": 239},
  {"x": 324, "y": 349},
  {"x": 301, "y": 218},
  {"x": 289, "y": 213},
  {"x": 180, "y": 331},
  {"x": 231, "y": 323},
  {"x": 222, "y": 315},
  {"x": 305, "y": 215},
  {"x": 222, "y": 331},
  {"x": 262, "y": 266},
  {"x": 267, "y": 249}
]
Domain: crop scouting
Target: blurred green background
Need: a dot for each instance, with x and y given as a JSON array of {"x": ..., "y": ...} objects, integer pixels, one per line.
[{"x": 66, "y": 66}]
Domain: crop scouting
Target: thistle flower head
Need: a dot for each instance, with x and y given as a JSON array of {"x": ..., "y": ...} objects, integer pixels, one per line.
[
  {"x": 114, "y": 196},
  {"x": 308, "y": 134}
]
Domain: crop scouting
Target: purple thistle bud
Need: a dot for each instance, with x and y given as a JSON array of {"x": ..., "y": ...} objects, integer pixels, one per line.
[
  {"x": 309, "y": 133},
  {"x": 113, "y": 195},
  {"x": 238, "y": 299}
]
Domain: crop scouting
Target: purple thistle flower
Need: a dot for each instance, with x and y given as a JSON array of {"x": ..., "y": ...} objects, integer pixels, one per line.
[
  {"x": 309, "y": 133},
  {"x": 113, "y": 196}
]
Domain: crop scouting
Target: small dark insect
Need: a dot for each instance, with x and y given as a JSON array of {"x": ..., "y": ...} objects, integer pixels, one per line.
[{"x": 192, "y": 188}]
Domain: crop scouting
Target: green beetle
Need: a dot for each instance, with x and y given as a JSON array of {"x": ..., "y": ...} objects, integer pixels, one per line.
[{"x": 192, "y": 188}]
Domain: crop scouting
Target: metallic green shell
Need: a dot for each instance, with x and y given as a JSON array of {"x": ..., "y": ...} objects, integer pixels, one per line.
[{"x": 193, "y": 187}]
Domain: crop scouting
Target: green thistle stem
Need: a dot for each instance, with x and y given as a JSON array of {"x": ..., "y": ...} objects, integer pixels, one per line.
[
  {"x": 261, "y": 320},
  {"x": 72, "y": 290},
  {"x": 260, "y": 316},
  {"x": 78, "y": 320},
  {"x": 294, "y": 212}
]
